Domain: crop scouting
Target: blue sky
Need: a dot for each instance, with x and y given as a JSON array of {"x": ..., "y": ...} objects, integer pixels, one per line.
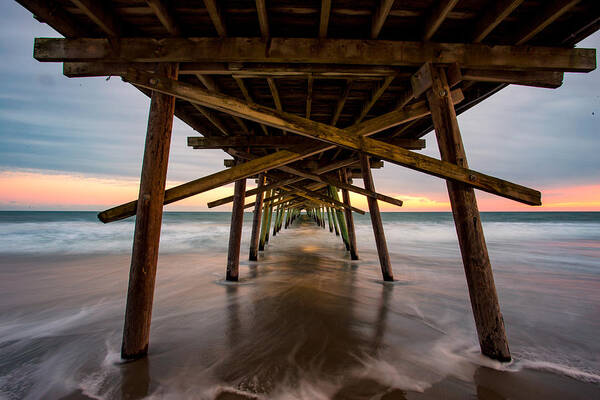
[{"x": 95, "y": 128}]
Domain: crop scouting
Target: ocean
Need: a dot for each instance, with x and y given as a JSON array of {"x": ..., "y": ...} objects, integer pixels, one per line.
[{"x": 304, "y": 322}]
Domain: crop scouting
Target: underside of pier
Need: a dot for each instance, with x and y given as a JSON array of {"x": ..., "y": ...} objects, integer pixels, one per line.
[{"x": 304, "y": 97}]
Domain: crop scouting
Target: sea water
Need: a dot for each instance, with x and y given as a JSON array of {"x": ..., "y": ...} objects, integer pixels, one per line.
[{"x": 304, "y": 322}]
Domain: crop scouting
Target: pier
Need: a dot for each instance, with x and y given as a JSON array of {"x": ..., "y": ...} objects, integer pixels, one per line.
[{"x": 305, "y": 98}]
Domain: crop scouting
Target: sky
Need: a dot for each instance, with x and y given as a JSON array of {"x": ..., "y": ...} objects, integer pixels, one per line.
[{"x": 77, "y": 143}]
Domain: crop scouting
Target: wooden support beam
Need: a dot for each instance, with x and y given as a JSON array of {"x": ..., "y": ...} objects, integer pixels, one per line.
[
  {"x": 553, "y": 9},
  {"x": 215, "y": 16},
  {"x": 235, "y": 231},
  {"x": 213, "y": 117},
  {"x": 263, "y": 18},
  {"x": 149, "y": 209},
  {"x": 275, "y": 94},
  {"x": 351, "y": 138},
  {"x": 246, "y": 94},
  {"x": 212, "y": 86},
  {"x": 544, "y": 79},
  {"x": 341, "y": 221},
  {"x": 258, "y": 205},
  {"x": 492, "y": 17},
  {"x": 324, "y": 19},
  {"x": 340, "y": 104},
  {"x": 101, "y": 16},
  {"x": 349, "y": 218},
  {"x": 255, "y": 141},
  {"x": 380, "y": 16},
  {"x": 312, "y": 195},
  {"x": 478, "y": 270},
  {"x": 377, "y": 93},
  {"x": 309, "y": 95},
  {"x": 53, "y": 14},
  {"x": 320, "y": 51},
  {"x": 437, "y": 16},
  {"x": 263, "y": 227},
  {"x": 165, "y": 16},
  {"x": 382, "y": 251}
]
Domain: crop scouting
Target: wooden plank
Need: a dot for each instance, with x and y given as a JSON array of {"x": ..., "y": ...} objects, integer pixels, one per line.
[
  {"x": 235, "y": 232},
  {"x": 324, "y": 19},
  {"x": 552, "y": 11},
  {"x": 382, "y": 250},
  {"x": 275, "y": 94},
  {"x": 256, "y": 218},
  {"x": 496, "y": 13},
  {"x": 165, "y": 16},
  {"x": 246, "y": 94},
  {"x": 52, "y": 13},
  {"x": 349, "y": 218},
  {"x": 437, "y": 17},
  {"x": 248, "y": 141},
  {"x": 544, "y": 79},
  {"x": 263, "y": 18},
  {"x": 327, "y": 51},
  {"x": 101, "y": 16},
  {"x": 149, "y": 209},
  {"x": 478, "y": 270},
  {"x": 380, "y": 16},
  {"x": 215, "y": 16},
  {"x": 350, "y": 138}
]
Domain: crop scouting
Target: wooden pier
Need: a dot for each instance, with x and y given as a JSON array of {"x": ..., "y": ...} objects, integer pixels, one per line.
[{"x": 306, "y": 96}]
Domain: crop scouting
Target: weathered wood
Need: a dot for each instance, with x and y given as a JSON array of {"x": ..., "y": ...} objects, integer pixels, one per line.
[
  {"x": 350, "y": 138},
  {"x": 309, "y": 95},
  {"x": 552, "y": 11},
  {"x": 329, "y": 219},
  {"x": 382, "y": 250},
  {"x": 321, "y": 51},
  {"x": 50, "y": 12},
  {"x": 340, "y": 104},
  {"x": 341, "y": 220},
  {"x": 377, "y": 93},
  {"x": 324, "y": 19},
  {"x": 235, "y": 231},
  {"x": 165, "y": 16},
  {"x": 248, "y": 98},
  {"x": 263, "y": 19},
  {"x": 478, "y": 270},
  {"x": 264, "y": 228},
  {"x": 380, "y": 16},
  {"x": 437, "y": 17},
  {"x": 215, "y": 16},
  {"x": 492, "y": 16},
  {"x": 253, "y": 141},
  {"x": 316, "y": 196},
  {"x": 545, "y": 79},
  {"x": 349, "y": 218},
  {"x": 102, "y": 16},
  {"x": 258, "y": 206},
  {"x": 149, "y": 209}
]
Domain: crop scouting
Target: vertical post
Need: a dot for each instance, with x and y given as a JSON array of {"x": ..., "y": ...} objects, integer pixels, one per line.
[
  {"x": 329, "y": 219},
  {"x": 340, "y": 218},
  {"x": 269, "y": 217},
  {"x": 235, "y": 231},
  {"x": 335, "y": 224},
  {"x": 382, "y": 251},
  {"x": 349, "y": 217},
  {"x": 142, "y": 274},
  {"x": 263, "y": 227},
  {"x": 258, "y": 204},
  {"x": 478, "y": 270}
]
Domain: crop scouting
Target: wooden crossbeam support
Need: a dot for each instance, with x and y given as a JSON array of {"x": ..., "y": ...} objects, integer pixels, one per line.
[
  {"x": 552, "y": 11},
  {"x": 263, "y": 18},
  {"x": 275, "y": 94},
  {"x": 101, "y": 16},
  {"x": 350, "y": 138},
  {"x": 327, "y": 51},
  {"x": 215, "y": 16},
  {"x": 478, "y": 270},
  {"x": 246, "y": 94},
  {"x": 437, "y": 16},
  {"x": 382, "y": 251},
  {"x": 165, "y": 16},
  {"x": 149, "y": 209},
  {"x": 309, "y": 95},
  {"x": 52, "y": 13},
  {"x": 324, "y": 198},
  {"x": 212, "y": 86},
  {"x": 252, "y": 141},
  {"x": 377, "y": 93},
  {"x": 379, "y": 17},
  {"x": 213, "y": 117},
  {"x": 492, "y": 17},
  {"x": 324, "y": 19},
  {"x": 545, "y": 79},
  {"x": 340, "y": 104}
]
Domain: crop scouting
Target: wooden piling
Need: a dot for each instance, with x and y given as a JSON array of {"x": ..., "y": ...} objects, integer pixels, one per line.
[
  {"x": 341, "y": 220},
  {"x": 478, "y": 270},
  {"x": 329, "y": 219},
  {"x": 263, "y": 227},
  {"x": 349, "y": 217},
  {"x": 142, "y": 274},
  {"x": 235, "y": 231},
  {"x": 256, "y": 219},
  {"x": 382, "y": 251}
]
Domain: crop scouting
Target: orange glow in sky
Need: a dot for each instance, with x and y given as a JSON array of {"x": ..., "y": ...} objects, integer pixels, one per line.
[{"x": 47, "y": 191}]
